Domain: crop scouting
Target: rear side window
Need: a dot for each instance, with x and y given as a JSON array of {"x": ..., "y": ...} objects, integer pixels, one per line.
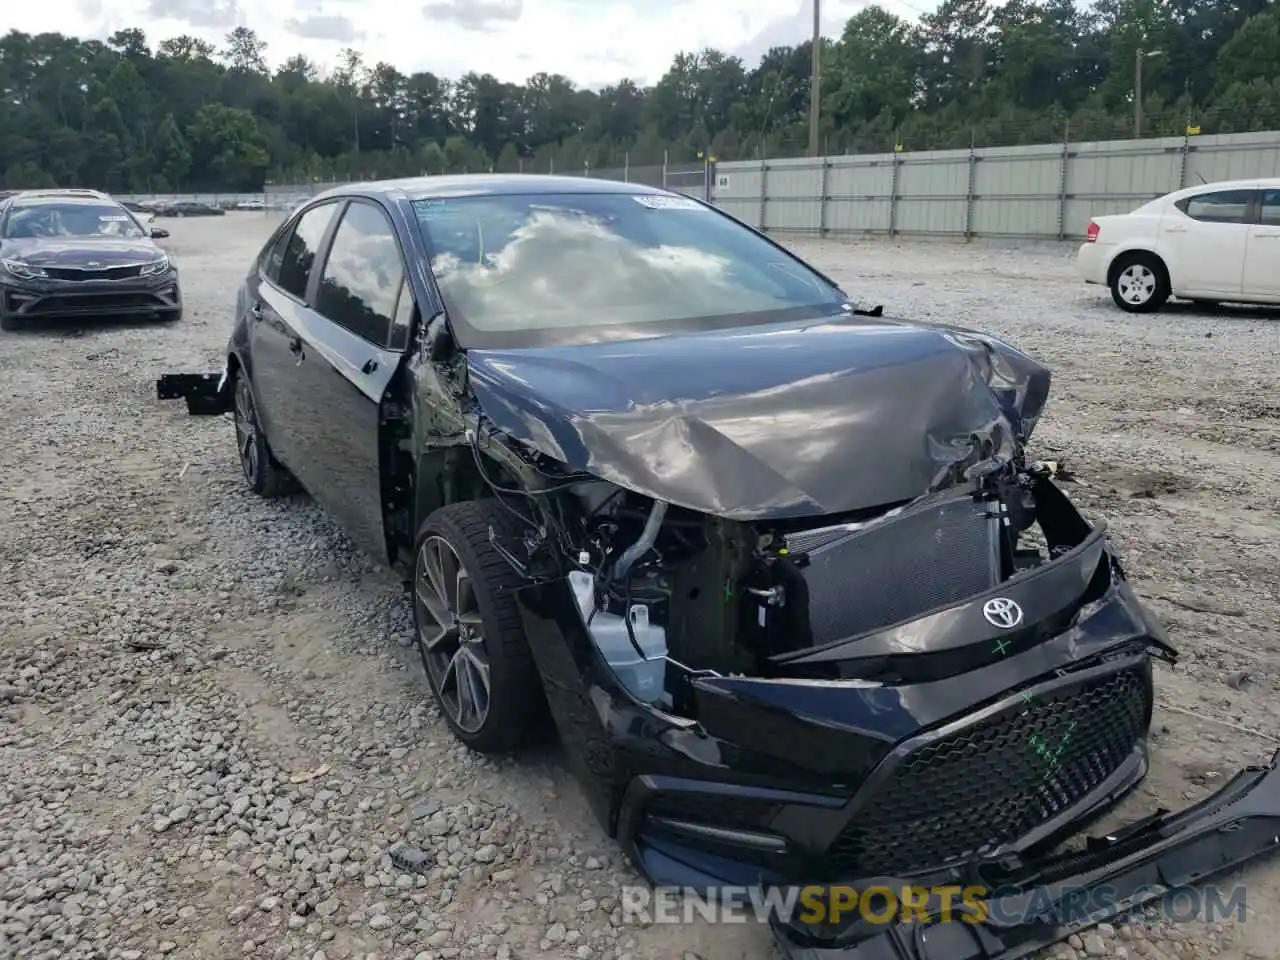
[
  {"x": 1270, "y": 213},
  {"x": 1220, "y": 206},
  {"x": 363, "y": 275},
  {"x": 300, "y": 249},
  {"x": 272, "y": 255}
]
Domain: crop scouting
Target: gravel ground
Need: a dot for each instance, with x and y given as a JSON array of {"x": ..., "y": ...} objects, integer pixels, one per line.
[{"x": 213, "y": 725}]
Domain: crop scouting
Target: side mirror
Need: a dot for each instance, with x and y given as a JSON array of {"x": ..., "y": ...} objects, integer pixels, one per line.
[
  {"x": 437, "y": 339},
  {"x": 158, "y": 234}
]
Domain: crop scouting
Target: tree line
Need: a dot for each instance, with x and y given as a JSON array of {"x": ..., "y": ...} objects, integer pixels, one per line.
[{"x": 121, "y": 115}]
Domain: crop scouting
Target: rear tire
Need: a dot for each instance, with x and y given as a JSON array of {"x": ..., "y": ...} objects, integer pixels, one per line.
[
  {"x": 266, "y": 476},
  {"x": 9, "y": 322},
  {"x": 170, "y": 316},
  {"x": 468, "y": 629},
  {"x": 1139, "y": 283}
]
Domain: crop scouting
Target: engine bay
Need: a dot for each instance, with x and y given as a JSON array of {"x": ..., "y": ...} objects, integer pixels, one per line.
[{"x": 668, "y": 593}]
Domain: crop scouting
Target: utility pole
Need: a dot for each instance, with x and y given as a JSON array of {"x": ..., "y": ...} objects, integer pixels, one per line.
[
  {"x": 1140, "y": 56},
  {"x": 815, "y": 85}
]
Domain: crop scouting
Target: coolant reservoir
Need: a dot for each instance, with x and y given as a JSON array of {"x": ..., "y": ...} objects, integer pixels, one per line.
[{"x": 644, "y": 676}]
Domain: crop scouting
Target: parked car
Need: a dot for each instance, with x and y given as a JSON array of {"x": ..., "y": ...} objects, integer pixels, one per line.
[
  {"x": 1212, "y": 243},
  {"x": 248, "y": 205},
  {"x": 777, "y": 566},
  {"x": 79, "y": 253},
  {"x": 189, "y": 208},
  {"x": 141, "y": 212}
]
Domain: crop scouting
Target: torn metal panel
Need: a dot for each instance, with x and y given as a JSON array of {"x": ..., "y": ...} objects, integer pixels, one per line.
[
  {"x": 771, "y": 421},
  {"x": 1038, "y": 904}
]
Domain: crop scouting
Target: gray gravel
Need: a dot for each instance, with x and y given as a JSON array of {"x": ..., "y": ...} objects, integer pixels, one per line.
[{"x": 215, "y": 736}]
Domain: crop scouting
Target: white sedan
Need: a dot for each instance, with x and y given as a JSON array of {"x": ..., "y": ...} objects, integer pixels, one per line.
[{"x": 1212, "y": 243}]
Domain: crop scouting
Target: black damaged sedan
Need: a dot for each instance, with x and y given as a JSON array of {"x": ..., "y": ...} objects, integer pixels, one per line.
[
  {"x": 80, "y": 254},
  {"x": 775, "y": 566}
]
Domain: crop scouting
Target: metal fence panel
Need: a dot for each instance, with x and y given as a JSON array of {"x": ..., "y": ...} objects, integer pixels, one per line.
[{"x": 1042, "y": 191}]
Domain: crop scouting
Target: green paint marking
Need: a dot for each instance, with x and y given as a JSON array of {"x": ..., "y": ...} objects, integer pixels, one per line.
[
  {"x": 1027, "y": 698},
  {"x": 1001, "y": 646},
  {"x": 1052, "y": 756}
]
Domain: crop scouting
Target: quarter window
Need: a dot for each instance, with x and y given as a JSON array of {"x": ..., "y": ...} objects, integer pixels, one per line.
[
  {"x": 1221, "y": 206},
  {"x": 1270, "y": 214},
  {"x": 403, "y": 319},
  {"x": 363, "y": 274},
  {"x": 300, "y": 250}
]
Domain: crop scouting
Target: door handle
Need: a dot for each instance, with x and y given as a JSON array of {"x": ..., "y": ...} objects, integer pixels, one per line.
[
  {"x": 1175, "y": 229},
  {"x": 1266, "y": 236},
  {"x": 370, "y": 365}
]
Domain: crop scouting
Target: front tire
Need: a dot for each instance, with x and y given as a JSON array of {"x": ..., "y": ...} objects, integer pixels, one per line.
[
  {"x": 1139, "y": 283},
  {"x": 9, "y": 322},
  {"x": 468, "y": 630},
  {"x": 266, "y": 476},
  {"x": 170, "y": 316}
]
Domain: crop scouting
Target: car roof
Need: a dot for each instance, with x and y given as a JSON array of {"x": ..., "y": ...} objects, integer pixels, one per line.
[
  {"x": 37, "y": 197},
  {"x": 1253, "y": 183},
  {"x": 486, "y": 184}
]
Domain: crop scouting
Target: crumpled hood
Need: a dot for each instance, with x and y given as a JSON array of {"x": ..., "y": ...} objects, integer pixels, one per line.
[
  {"x": 80, "y": 251},
  {"x": 775, "y": 421}
]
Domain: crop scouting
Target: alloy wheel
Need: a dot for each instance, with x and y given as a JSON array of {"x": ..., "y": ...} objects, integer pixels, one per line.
[
  {"x": 247, "y": 431},
  {"x": 1137, "y": 284},
  {"x": 451, "y": 634}
]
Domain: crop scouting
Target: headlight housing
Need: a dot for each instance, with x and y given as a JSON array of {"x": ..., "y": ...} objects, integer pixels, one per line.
[
  {"x": 156, "y": 267},
  {"x": 22, "y": 270}
]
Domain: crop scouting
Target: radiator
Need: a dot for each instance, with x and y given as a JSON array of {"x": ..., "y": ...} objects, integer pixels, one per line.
[{"x": 862, "y": 577}]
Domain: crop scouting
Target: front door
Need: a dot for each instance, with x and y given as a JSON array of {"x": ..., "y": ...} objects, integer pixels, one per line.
[
  {"x": 351, "y": 354},
  {"x": 1262, "y": 257},
  {"x": 1203, "y": 240}
]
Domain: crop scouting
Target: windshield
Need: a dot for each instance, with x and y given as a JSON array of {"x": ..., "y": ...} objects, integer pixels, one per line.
[
  {"x": 559, "y": 268},
  {"x": 71, "y": 220}
]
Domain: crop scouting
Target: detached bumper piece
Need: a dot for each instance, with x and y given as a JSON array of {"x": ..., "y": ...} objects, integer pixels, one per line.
[
  {"x": 202, "y": 391},
  {"x": 1037, "y": 904}
]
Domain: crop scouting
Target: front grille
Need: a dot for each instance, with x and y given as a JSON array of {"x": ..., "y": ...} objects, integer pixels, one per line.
[
  {"x": 81, "y": 304},
  {"x": 932, "y": 556},
  {"x": 88, "y": 273},
  {"x": 995, "y": 782}
]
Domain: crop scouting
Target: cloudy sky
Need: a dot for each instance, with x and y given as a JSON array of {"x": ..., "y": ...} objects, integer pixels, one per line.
[{"x": 592, "y": 41}]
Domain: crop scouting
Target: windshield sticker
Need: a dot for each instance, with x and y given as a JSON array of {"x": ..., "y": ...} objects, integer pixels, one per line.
[
  {"x": 667, "y": 203},
  {"x": 113, "y": 218}
]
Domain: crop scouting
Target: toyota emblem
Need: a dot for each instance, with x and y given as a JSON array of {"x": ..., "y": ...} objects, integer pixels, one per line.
[{"x": 1002, "y": 612}]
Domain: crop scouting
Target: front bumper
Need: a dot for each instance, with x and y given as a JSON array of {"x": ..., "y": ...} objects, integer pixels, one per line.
[
  {"x": 775, "y": 781},
  {"x": 33, "y": 299},
  {"x": 1029, "y": 906}
]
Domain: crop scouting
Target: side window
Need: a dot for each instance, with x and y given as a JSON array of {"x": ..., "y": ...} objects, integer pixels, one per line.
[
  {"x": 363, "y": 275},
  {"x": 403, "y": 319},
  {"x": 1270, "y": 208},
  {"x": 300, "y": 249},
  {"x": 273, "y": 255},
  {"x": 1221, "y": 206}
]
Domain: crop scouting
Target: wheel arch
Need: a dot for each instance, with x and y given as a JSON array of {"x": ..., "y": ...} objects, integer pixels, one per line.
[
  {"x": 433, "y": 479},
  {"x": 1129, "y": 254}
]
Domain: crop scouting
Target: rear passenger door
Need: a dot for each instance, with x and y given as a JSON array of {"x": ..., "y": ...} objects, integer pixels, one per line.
[
  {"x": 1262, "y": 257},
  {"x": 277, "y": 317},
  {"x": 353, "y": 342},
  {"x": 1203, "y": 240}
]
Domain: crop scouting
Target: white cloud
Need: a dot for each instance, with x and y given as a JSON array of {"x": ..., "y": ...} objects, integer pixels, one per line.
[{"x": 592, "y": 41}]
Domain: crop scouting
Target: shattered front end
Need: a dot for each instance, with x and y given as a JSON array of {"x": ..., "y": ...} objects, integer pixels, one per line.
[{"x": 961, "y": 677}]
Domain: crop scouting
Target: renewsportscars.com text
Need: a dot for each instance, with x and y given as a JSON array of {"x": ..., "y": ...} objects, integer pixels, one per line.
[{"x": 819, "y": 904}]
